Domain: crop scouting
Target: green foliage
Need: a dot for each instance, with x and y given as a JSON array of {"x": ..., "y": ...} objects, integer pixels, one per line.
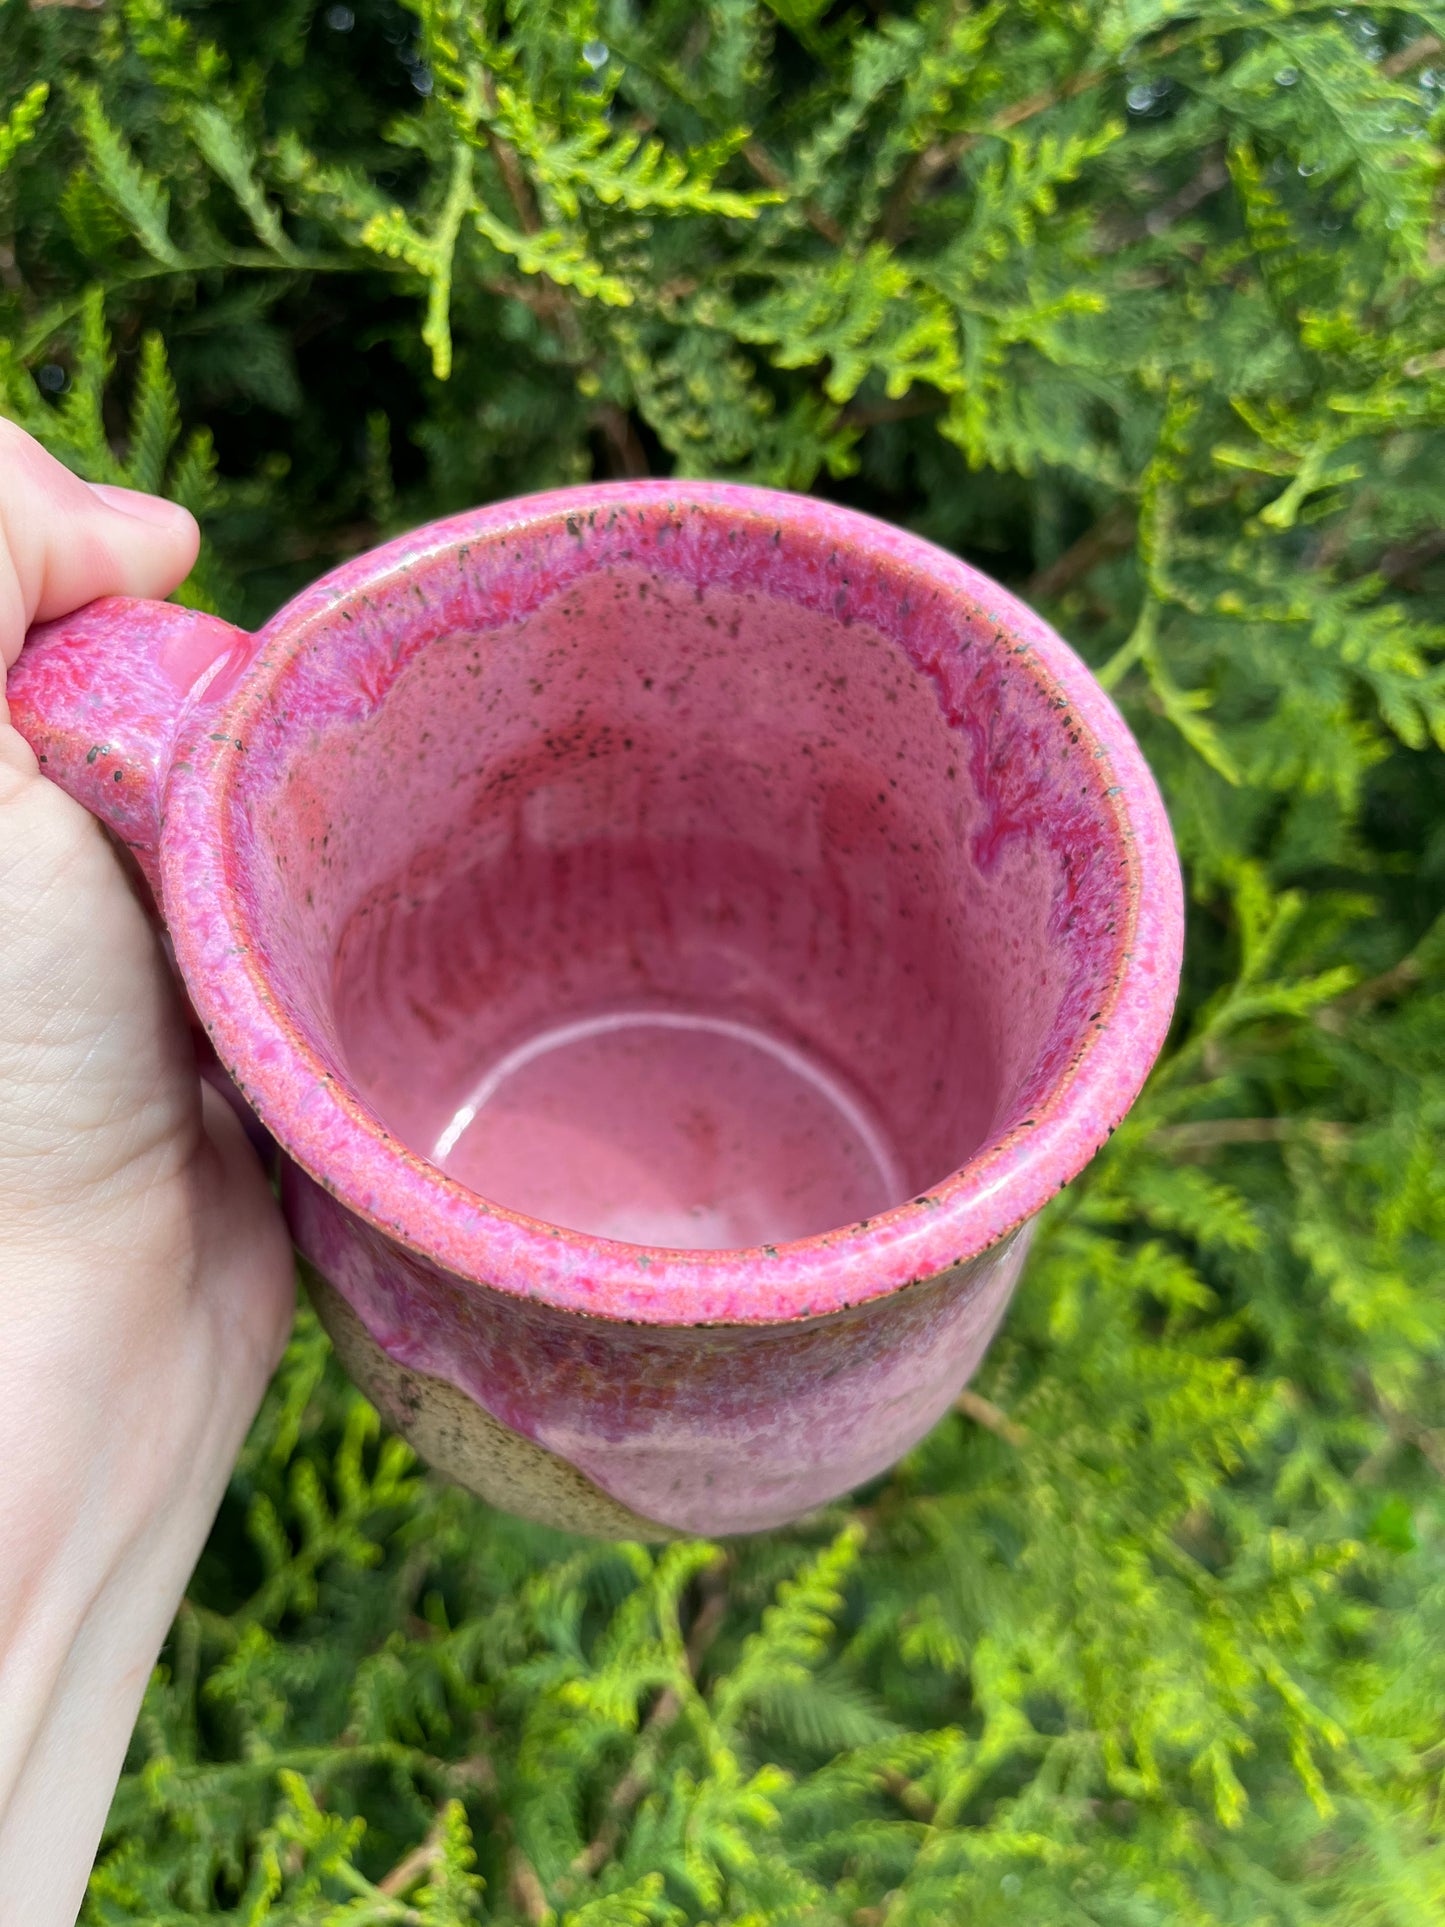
[
  {"x": 1140, "y": 306},
  {"x": 20, "y": 124}
]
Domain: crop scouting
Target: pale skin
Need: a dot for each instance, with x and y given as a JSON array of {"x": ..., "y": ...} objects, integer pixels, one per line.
[{"x": 146, "y": 1281}]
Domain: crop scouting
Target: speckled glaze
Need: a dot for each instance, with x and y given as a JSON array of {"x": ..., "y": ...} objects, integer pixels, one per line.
[{"x": 734, "y": 877}]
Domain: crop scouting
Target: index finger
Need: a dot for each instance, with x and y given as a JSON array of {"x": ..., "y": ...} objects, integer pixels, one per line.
[{"x": 64, "y": 542}]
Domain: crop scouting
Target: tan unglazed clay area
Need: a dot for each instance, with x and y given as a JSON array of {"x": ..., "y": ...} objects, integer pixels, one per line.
[{"x": 455, "y": 1436}]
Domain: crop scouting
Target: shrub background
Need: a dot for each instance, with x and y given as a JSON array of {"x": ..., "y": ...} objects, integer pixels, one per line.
[{"x": 1137, "y": 305}]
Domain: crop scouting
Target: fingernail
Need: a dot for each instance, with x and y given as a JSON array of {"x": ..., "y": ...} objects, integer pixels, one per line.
[{"x": 145, "y": 508}]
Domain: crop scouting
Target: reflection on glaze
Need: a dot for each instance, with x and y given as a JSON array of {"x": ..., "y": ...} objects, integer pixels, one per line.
[{"x": 671, "y": 1128}]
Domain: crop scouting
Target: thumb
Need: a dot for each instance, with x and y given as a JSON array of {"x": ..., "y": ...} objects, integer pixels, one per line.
[{"x": 64, "y": 542}]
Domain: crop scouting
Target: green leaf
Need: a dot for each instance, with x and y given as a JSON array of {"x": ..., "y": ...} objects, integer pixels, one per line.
[
  {"x": 555, "y": 256},
  {"x": 155, "y": 419},
  {"x": 222, "y": 140},
  {"x": 138, "y": 197},
  {"x": 21, "y": 123}
]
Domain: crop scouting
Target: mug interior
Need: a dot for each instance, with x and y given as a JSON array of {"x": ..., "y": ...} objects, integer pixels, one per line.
[{"x": 703, "y": 890}]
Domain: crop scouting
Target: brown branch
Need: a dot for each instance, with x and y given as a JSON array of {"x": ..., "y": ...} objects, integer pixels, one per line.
[
  {"x": 1366, "y": 1471},
  {"x": 914, "y": 1801},
  {"x": 628, "y": 1790},
  {"x": 1405, "y": 1429},
  {"x": 1415, "y": 55},
  {"x": 985, "y": 1413},
  {"x": 514, "y": 179},
  {"x": 1112, "y": 534},
  {"x": 347, "y": 540},
  {"x": 766, "y": 168},
  {"x": 1390, "y": 983},
  {"x": 638, "y": 1777},
  {"x": 710, "y": 1614},
  {"x": 412, "y": 1866},
  {"x": 921, "y": 173},
  {"x": 905, "y": 408},
  {"x": 1212, "y": 176},
  {"x": 629, "y": 457},
  {"x": 519, "y": 191},
  {"x": 476, "y": 1773},
  {"x": 525, "y": 1890},
  {"x": 549, "y": 303},
  {"x": 924, "y": 169},
  {"x": 1400, "y": 564},
  {"x": 538, "y": 295}
]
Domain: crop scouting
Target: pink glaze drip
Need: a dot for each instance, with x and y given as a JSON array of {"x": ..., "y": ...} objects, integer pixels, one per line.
[
  {"x": 652, "y": 794},
  {"x": 708, "y": 1430}
]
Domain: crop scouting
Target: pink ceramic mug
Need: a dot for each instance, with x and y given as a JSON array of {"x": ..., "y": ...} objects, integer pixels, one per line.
[{"x": 679, "y": 936}]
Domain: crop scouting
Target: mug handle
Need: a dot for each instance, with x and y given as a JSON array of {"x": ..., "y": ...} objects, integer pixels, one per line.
[{"x": 100, "y": 696}]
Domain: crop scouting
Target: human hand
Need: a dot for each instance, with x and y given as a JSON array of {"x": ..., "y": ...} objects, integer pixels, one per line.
[{"x": 145, "y": 1273}]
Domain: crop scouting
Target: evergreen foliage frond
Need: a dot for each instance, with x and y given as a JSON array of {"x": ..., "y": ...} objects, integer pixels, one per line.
[
  {"x": 137, "y": 196},
  {"x": 1140, "y": 307},
  {"x": 20, "y": 124}
]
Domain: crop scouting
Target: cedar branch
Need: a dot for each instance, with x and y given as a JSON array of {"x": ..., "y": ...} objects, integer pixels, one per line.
[
  {"x": 992, "y": 1418},
  {"x": 638, "y": 1777},
  {"x": 1112, "y": 534},
  {"x": 1413, "y": 56},
  {"x": 767, "y": 170},
  {"x": 410, "y": 1868}
]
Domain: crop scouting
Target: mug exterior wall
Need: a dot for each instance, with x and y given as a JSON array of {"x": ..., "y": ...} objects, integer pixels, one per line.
[{"x": 621, "y": 1430}]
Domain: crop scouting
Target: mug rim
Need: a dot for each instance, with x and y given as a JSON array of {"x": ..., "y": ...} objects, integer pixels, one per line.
[{"x": 326, "y": 1128}]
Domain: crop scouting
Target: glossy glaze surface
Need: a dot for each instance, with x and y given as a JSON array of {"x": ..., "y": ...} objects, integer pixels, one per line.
[
  {"x": 671, "y": 1127},
  {"x": 697, "y": 802},
  {"x": 693, "y": 1429},
  {"x": 782, "y": 809},
  {"x": 101, "y": 695}
]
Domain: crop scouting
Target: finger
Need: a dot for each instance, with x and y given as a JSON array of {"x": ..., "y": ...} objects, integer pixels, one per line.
[{"x": 64, "y": 542}]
